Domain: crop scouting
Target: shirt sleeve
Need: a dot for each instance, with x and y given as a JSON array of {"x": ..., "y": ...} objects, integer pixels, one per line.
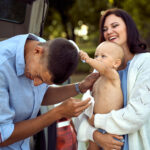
[
  {"x": 136, "y": 113},
  {"x": 6, "y": 112}
]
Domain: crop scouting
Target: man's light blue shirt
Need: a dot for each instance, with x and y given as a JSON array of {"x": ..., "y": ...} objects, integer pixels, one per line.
[{"x": 19, "y": 99}]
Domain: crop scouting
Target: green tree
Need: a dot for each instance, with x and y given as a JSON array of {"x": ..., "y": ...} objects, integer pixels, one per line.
[
  {"x": 59, "y": 18},
  {"x": 140, "y": 11},
  {"x": 66, "y": 15}
]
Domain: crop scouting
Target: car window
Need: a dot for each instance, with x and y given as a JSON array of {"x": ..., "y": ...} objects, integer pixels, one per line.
[{"x": 12, "y": 10}]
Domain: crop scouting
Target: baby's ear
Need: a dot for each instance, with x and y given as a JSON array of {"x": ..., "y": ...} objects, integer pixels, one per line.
[{"x": 117, "y": 63}]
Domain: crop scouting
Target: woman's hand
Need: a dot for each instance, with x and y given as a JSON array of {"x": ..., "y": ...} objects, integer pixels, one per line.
[
  {"x": 73, "y": 107},
  {"x": 107, "y": 141}
]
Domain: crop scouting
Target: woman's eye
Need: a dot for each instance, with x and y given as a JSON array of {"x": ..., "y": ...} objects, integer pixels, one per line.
[
  {"x": 104, "y": 29},
  {"x": 115, "y": 25}
]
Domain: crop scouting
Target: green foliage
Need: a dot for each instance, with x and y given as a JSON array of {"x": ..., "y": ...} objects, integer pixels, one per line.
[
  {"x": 90, "y": 49},
  {"x": 83, "y": 68},
  {"x": 72, "y": 14},
  {"x": 140, "y": 12},
  {"x": 53, "y": 27}
]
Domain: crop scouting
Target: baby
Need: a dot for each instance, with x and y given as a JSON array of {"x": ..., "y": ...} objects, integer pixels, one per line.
[{"x": 107, "y": 90}]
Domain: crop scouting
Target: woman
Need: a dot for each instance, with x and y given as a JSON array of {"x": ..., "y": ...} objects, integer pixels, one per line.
[{"x": 117, "y": 26}]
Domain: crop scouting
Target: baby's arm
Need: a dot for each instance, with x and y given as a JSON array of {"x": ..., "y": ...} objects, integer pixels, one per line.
[
  {"x": 99, "y": 66},
  {"x": 84, "y": 56},
  {"x": 92, "y": 62}
]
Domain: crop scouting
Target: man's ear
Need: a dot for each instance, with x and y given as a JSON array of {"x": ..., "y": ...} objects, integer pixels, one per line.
[
  {"x": 38, "y": 50},
  {"x": 117, "y": 63}
]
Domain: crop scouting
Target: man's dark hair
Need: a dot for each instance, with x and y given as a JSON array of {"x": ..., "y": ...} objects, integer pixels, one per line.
[
  {"x": 62, "y": 59},
  {"x": 133, "y": 38}
]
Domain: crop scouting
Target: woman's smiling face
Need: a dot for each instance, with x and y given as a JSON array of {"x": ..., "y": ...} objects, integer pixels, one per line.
[{"x": 114, "y": 30}]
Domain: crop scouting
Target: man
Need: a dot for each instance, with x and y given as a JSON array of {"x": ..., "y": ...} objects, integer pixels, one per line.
[{"x": 28, "y": 65}]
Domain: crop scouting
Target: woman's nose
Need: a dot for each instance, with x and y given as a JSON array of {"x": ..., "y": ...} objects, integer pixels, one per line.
[{"x": 109, "y": 30}]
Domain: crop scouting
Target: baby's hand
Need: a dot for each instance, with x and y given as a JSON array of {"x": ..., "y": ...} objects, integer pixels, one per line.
[
  {"x": 83, "y": 55},
  {"x": 91, "y": 120}
]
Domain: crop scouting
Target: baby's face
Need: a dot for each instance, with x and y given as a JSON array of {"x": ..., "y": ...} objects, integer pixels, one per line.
[{"x": 105, "y": 55}]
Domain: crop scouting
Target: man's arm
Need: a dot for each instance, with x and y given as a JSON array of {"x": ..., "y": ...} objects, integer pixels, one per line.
[
  {"x": 58, "y": 94},
  {"x": 70, "y": 108},
  {"x": 55, "y": 95}
]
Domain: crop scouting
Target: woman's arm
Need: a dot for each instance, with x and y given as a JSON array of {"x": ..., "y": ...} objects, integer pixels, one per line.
[
  {"x": 136, "y": 113},
  {"x": 108, "y": 141},
  {"x": 86, "y": 132}
]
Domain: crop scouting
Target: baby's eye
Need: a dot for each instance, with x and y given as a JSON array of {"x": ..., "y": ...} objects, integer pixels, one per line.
[
  {"x": 95, "y": 56},
  {"x": 103, "y": 56}
]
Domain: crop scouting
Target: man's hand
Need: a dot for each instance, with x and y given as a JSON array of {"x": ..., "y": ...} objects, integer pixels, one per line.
[
  {"x": 73, "y": 107},
  {"x": 107, "y": 141},
  {"x": 88, "y": 82}
]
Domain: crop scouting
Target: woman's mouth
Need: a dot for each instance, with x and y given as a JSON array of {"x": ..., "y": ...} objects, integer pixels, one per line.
[{"x": 112, "y": 38}]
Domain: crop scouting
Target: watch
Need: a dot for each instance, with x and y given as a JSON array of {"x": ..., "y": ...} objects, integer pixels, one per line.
[{"x": 77, "y": 88}]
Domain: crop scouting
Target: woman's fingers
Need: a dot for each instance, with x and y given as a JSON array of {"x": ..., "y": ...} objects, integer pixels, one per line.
[
  {"x": 119, "y": 137},
  {"x": 108, "y": 141},
  {"x": 118, "y": 140}
]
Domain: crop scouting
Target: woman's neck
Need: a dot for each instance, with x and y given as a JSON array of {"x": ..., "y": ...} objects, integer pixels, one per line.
[{"x": 127, "y": 56}]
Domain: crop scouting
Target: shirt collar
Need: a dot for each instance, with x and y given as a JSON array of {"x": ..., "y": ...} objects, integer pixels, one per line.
[{"x": 20, "y": 61}]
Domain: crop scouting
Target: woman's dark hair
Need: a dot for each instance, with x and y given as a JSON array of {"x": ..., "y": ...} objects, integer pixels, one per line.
[
  {"x": 62, "y": 59},
  {"x": 133, "y": 37}
]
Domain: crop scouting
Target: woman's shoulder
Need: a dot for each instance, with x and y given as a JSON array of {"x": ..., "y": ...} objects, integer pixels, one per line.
[
  {"x": 142, "y": 56},
  {"x": 147, "y": 54}
]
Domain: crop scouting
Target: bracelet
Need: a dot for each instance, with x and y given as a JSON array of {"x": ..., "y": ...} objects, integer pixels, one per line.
[{"x": 77, "y": 88}]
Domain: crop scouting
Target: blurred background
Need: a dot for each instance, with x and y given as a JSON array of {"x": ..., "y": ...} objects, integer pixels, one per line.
[{"x": 79, "y": 20}]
